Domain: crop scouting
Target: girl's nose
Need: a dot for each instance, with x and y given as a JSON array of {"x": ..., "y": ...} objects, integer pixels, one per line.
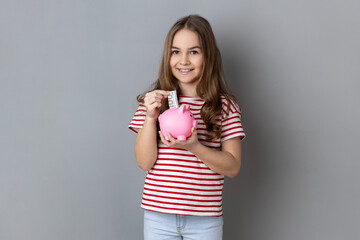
[{"x": 184, "y": 60}]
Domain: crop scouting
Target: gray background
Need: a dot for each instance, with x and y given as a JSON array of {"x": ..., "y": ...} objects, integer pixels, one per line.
[{"x": 70, "y": 72}]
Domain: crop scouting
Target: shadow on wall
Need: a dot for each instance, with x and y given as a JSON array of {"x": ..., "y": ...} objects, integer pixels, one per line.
[{"x": 251, "y": 198}]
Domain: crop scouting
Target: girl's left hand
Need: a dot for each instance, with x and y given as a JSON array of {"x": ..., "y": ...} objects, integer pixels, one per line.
[{"x": 188, "y": 144}]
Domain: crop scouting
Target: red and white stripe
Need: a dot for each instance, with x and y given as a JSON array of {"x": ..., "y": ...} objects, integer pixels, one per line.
[{"x": 179, "y": 182}]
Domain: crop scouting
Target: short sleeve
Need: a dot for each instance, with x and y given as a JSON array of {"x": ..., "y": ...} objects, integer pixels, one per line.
[
  {"x": 231, "y": 126},
  {"x": 138, "y": 120}
]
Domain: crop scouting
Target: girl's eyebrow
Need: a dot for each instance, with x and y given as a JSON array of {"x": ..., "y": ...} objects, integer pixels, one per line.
[{"x": 189, "y": 48}]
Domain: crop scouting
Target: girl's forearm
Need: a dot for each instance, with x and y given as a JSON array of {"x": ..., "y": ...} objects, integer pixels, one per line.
[
  {"x": 221, "y": 162},
  {"x": 146, "y": 145}
]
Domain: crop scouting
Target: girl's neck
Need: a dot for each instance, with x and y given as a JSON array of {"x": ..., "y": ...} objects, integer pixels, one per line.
[{"x": 189, "y": 91}]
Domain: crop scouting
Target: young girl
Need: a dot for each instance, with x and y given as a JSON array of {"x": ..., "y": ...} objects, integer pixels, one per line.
[{"x": 182, "y": 196}]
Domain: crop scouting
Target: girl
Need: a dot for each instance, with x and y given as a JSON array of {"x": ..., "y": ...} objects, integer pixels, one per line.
[{"x": 182, "y": 196}]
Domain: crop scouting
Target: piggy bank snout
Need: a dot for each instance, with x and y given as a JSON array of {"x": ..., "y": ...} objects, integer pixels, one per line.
[{"x": 195, "y": 124}]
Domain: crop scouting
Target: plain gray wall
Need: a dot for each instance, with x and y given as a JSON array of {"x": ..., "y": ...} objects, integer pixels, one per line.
[{"x": 69, "y": 74}]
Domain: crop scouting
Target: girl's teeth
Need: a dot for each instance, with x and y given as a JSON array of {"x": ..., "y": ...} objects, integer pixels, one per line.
[{"x": 185, "y": 70}]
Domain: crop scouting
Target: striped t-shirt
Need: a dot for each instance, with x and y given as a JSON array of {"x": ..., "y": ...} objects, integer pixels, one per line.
[{"x": 179, "y": 182}]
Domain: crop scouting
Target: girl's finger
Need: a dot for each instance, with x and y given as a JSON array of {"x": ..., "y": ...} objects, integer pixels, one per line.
[
  {"x": 163, "y": 139},
  {"x": 193, "y": 130},
  {"x": 155, "y": 105},
  {"x": 162, "y": 92},
  {"x": 158, "y": 98},
  {"x": 172, "y": 140},
  {"x": 154, "y": 96}
]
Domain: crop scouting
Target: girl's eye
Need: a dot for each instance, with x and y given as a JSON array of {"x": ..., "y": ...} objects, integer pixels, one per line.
[
  {"x": 175, "y": 52},
  {"x": 194, "y": 52}
]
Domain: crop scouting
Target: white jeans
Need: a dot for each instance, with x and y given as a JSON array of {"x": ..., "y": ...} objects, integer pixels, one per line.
[{"x": 161, "y": 226}]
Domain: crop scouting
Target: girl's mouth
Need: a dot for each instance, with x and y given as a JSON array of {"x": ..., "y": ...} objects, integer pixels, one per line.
[{"x": 185, "y": 70}]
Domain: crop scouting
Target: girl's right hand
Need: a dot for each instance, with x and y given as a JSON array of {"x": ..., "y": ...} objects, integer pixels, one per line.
[{"x": 153, "y": 101}]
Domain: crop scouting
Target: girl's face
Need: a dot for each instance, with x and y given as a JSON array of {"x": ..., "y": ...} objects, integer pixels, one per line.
[{"x": 186, "y": 59}]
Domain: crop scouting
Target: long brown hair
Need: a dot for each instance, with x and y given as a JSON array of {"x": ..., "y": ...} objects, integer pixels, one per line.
[{"x": 212, "y": 84}]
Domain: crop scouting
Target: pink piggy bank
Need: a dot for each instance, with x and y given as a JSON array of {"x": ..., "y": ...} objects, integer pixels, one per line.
[{"x": 178, "y": 122}]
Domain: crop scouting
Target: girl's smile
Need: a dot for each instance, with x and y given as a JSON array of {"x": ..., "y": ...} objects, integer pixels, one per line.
[
  {"x": 186, "y": 59},
  {"x": 185, "y": 71}
]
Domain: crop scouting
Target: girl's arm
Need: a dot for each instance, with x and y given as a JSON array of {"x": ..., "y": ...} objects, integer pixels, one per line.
[
  {"x": 146, "y": 145},
  {"x": 226, "y": 162},
  {"x": 146, "y": 140}
]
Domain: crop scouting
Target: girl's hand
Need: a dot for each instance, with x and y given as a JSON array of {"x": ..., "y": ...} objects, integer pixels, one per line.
[
  {"x": 188, "y": 144},
  {"x": 153, "y": 101}
]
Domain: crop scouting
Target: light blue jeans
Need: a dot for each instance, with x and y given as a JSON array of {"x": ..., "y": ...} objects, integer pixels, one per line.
[{"x": 163, "y": 226}]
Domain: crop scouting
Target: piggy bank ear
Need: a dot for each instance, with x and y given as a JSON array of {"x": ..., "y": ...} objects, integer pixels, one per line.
[{"x": 182, "y": 109}]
